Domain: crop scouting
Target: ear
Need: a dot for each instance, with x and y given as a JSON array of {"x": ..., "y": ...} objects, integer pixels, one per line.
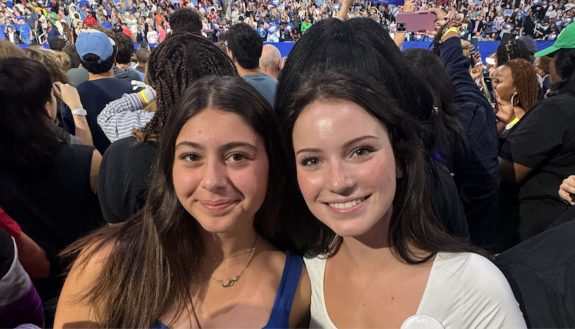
[{"x": 398, "y": 170}]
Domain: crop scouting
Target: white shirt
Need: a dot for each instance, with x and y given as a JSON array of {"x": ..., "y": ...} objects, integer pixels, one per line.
[{"x": 464, "y": 291}]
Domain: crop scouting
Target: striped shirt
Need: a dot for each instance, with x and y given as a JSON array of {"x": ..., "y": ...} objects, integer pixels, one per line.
[{"x": 121, "y": 116}]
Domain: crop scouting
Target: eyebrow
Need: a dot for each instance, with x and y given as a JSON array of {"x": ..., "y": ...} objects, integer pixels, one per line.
[
  {"x": 223, "y": 148},
  {"x": 346, "y": 145}
]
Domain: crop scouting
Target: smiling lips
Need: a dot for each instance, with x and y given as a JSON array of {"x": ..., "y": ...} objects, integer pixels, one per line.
[
  {"x": 348, "y": 205},
  {"x": 217, "y": 205}
]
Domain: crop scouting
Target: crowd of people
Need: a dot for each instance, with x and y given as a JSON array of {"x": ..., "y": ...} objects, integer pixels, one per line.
[
  {"x": 205, "y": 181},
  {"x": 39, "y": 21}
]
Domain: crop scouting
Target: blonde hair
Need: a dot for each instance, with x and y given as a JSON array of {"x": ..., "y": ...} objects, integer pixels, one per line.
[
  {"x": 466, "y": 45},
  {"x": 8, "y": 49},
  {"x": 48, "y": 59}
]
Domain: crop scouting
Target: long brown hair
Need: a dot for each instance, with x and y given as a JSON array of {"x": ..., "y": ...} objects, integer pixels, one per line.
[
  {"x": 413, "y": 225},
  {"x": 175, "y": 63},
  {"x": 154, "y": 254},
  {"x": 525, "y": 81}
]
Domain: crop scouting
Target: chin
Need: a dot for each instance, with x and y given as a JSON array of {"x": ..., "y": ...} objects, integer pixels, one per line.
[{"x": 350, "y": 229}]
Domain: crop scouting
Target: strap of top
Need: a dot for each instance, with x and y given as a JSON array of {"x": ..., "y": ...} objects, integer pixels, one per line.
[{"x": 286, "y": 292}]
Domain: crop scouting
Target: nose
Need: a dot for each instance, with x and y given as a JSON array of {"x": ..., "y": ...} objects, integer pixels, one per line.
[
  {"x": 340, "y": 180},
  {"x": 215, "y": 176}
]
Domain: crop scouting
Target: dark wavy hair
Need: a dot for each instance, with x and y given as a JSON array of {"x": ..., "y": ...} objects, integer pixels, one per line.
[
  {"x": 155, "y": 253},
  {"x": 29, "y": 138},
  {"x": 186, "y": 20},
  {"x": 175, "y": 64},
  {"x": 413, "y": 225}
]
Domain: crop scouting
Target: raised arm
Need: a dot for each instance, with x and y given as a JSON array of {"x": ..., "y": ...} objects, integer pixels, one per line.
[
  {"x": 121, "y": 116},
  {"x": 399, "y": 37}
]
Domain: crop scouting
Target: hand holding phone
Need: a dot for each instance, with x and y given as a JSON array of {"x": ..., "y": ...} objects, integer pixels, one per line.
[{"x": 420, "y": 21}]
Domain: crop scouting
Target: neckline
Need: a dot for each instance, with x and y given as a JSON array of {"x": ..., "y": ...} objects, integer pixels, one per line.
[
  {"x": 425, "y": 292},
  {"x": 278, "y": 297}
]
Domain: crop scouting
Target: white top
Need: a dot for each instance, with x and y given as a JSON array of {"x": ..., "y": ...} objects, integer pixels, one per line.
[{"x": 464, "y": 290}]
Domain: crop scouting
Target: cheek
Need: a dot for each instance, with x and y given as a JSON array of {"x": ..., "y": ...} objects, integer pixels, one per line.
[
  {"x": 186, "y": 181},
  {"x": 310, "y": 183}
]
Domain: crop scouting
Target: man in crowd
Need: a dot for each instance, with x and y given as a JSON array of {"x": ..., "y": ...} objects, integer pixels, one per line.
[
  {"x": 245, "y": 49},
  {"x": 270, "y": 61},
  {"x": 142, "y": 55},
  {"x": 123, "y": 69},
  {"x": 98, "y": 51}
]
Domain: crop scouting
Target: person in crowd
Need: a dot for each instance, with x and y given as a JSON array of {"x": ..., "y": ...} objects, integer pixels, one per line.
[
  {"x": 359, "y": 173},
  {"x": 127, "y": 164},
  {"x": 152, "y": 36},
  {"x": 270, "y": 61},
  {"x": 123, "y": 68},
  {"x": 142, "y": 56},
  {"x": 185, "y": 20},
  {"x": 542, "y": 67},
  {"x": 12, "y": 36},
  {"x": 57, "y": 44},
  {"x": 540, "y": 272},
  {"x": 515, "y": 83},
  {"x": 52, "y": 32},
  {"x": 245, "y": 49},
  {"x": 463, "y": 110},
  {"x": 40, "y": 167},
  {"x": 351, "y": 47},
  {"x": 90, "y": 20},
  {"x": 19, "y": 302},
  {"x": 97, "y": 51},
  {"x": 511, "y": 49},
  {"x": 213, "y": 211},
  {"x": 537, "y": 155},
  {"x": 25, "y": 31},
  {"x": 70, "y": 50}
]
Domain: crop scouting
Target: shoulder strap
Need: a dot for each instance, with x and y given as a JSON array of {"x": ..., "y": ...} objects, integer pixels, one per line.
[{"x": 286, "y": 291}]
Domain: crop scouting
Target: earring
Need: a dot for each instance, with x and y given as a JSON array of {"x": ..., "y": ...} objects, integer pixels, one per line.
[{"x": 513, "y": 100}]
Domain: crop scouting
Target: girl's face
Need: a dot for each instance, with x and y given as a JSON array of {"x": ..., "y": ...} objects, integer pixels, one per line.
[
  {"x": 220, "y": 173},
  {"x": 346, "y": 168}
]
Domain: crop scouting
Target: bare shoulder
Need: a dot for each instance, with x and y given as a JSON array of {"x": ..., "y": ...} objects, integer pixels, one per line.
[{"x": 72, "y": 309}]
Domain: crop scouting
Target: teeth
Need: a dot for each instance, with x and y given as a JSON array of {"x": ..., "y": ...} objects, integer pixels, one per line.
[{"x": 346, "y": 205}]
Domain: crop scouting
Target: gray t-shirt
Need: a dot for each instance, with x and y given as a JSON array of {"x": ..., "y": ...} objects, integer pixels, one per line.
[{"x": 265, "y": 84}]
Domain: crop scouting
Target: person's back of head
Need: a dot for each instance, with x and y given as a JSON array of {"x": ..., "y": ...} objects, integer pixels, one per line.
[
  {"x": 97, "y": 51},
  {"x": 8, "y": 49},
  {"x": 28, "y": 135},
  {"x": 73, "y": 54},
  {"x": 57, "y": 44},
  {"x": 142, "y": 55},
  {"x": 270, "y": 61},
  {"x": 185, "y": 20},
  {"x": 512, "y": 49},
  {"x": 125, "y": 47},
  {"x": 175, "y": 64},
  {"x": 48, "y": 59},
  {"x": 245, "y": 46}
]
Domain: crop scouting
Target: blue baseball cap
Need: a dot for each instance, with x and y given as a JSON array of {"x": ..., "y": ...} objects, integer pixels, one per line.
[{"x": 95, "y": 42}]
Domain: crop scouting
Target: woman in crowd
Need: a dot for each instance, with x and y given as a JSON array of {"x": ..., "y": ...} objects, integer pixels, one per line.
[
  {"x": 362, "y": 46},
  {"x": 474, "y": 164},
  {"x": 40, "y": 169},
  {"x": 515, "y": 83},
  {"x": 542, "y": 68},
  {"x": 539, "y": 154},
  {"x": 52, "y": 32},
  {"x": 12, "y": 36},
  {"x": 213, "y": 210},
  {"x": 126, "y": 167},
  {"x": 375, "y": 239}
]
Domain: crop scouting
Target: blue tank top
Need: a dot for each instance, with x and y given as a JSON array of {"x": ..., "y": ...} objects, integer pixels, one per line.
[{"x": 284, "y": 296}]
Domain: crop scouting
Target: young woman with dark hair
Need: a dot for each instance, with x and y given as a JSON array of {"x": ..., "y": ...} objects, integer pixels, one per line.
[
  {"x": 173, "y": 66},
  {"x": 48, "y": 185},
  {"x": 361, "y": 169},
  {"x": 202, "y": 252},
  {"x": 362, "y": 46}
]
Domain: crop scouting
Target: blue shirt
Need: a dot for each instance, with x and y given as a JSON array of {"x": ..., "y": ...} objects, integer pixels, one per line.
[
  {"x": 265, "y": 84},
  {"x": 24, "y": 31},
  {"x": 107, "y": 25},
  {"x": 53, "y": 34}
]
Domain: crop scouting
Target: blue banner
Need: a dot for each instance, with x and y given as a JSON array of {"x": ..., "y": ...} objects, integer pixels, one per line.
[
  {"x": 390, "y": 2},
  {"x": 272, "y": 29},
  {"x": 276, "y": 2}
]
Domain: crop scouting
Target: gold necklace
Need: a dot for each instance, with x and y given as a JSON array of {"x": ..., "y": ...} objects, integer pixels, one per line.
[{"x": 233, "y": 280}]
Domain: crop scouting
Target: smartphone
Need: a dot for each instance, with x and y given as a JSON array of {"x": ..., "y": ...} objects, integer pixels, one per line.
[
  {"x": 488, "y": 90},
  {"x": 419, "y": 21}
]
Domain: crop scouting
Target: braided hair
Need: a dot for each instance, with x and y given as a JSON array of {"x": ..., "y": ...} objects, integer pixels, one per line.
[
  {"x": 512, "y": 49},
  {"x": 174, "y": 65},
  {"x": 525, "y": 81}
]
